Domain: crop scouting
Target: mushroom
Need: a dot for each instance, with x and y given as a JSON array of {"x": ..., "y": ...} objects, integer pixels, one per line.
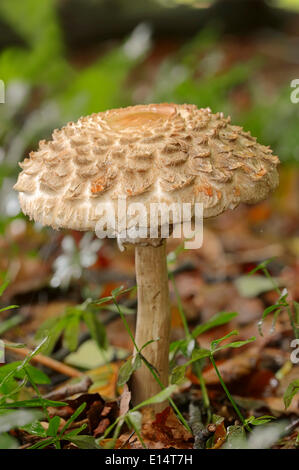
[{"x": 157, "y": 153}]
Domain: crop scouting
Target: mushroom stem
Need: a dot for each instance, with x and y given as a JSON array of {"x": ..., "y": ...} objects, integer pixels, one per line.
[{"x": 153, "y": 321}]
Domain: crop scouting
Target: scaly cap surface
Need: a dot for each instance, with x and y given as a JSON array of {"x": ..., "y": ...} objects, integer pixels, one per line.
[{"x": 157, "y": 153}]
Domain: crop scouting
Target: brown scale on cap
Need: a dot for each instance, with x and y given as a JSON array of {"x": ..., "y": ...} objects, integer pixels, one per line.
[{"x": 147, "y": 153}]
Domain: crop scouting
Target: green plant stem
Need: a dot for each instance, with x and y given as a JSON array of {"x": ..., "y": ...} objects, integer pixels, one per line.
[
  {"x": 116, "y": 433},
  {"x": 136, "y": 430},
  {"x": 14, "y": 391},
  {"x": 181, "y": 417},
  {"x": 205, "y": 396},
  {"x": 279, "y": 292},
  {"x": 122, "y": 316},
  {"x": 179, "y": 414},
  {"x": 228, "y": 394},
  {"x": 57, "y": 444},
  {"x": 204, "y": 391},
  {"x": 268, "y": 276},
  {"x": 110, "y": 428},
  {"x": 37, "y": 392}
]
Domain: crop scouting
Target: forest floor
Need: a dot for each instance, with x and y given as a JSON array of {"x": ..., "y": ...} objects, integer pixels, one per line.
[{"x": 210, "y": 280}]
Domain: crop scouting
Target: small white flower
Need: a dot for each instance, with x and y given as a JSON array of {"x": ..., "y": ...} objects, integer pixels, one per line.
[
  {"x": 69, "y": 265},
  {"x": 139, "y": 42}
]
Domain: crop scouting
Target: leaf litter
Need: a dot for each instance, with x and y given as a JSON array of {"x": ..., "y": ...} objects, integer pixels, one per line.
[{"x": 257, "y": 375}]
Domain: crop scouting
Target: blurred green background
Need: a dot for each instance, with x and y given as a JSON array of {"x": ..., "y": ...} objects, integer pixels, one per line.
[{"x": 63, "y": 59}]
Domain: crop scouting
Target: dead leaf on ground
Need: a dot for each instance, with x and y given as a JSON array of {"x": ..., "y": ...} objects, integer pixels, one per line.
[{"x": 104, "y": 379}]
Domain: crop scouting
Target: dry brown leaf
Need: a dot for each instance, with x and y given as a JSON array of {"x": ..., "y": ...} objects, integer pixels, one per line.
[
  {"x": 124, "y": 401},
  {"x": 165, "y": 430}
]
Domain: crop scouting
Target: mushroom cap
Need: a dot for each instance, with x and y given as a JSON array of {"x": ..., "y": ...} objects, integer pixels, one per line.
[{"x": 157, "y": 153}]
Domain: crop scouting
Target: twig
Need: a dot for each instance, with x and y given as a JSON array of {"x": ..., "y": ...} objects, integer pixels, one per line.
[
  {"x": 70, "y": 389},
  {"x": 26, "y": 446},
  {"x": 292, "y": 425},
  {"x": 77, "y": 424},
  {"x": 127, "y": 440},
  {"x": 46, "y": 361}
]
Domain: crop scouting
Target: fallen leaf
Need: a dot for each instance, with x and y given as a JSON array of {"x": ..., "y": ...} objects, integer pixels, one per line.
[
  {"x": 252, "y": 286},
  {"x": 125, "y": 399},
  {"x": 165, "y": 430},
  {"x": 90, "y": 356},
  {"x": 104, "y": 380},
  {"x": 219, "y": 436}
]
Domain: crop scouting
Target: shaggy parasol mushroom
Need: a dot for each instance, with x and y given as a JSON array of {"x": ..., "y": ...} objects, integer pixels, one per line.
[{"x": 158, "y": 153}]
